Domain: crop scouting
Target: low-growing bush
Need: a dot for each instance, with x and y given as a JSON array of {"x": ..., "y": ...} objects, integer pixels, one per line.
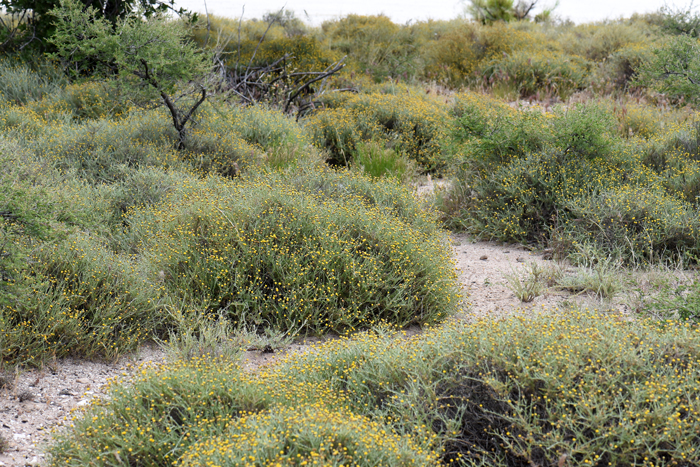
[
  {"x": 81, "y": 300},
  {"x": 585, "y": 130},
  {"x": 228, "y": 140},
  {"x": 568, "y": 177},
  {"x": 376, "y": 161},
  {"x": 586, "y": 387},
  {"x": 536, "y": 73},
  {"x": 640, "y": 225},
  {"x": 272, "y": 255},
  {"x": 680, "y": 302},
  {"x": 307, "y": 251},
  {"x": 405, "y": 121},
  {"x": 488, "y": 130},
  {"x": 105, "y": 150},
  {"x": 21, "y": 83}
]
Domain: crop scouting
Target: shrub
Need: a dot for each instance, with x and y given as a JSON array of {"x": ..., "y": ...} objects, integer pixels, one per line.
[
  {"x": 673, "y": 69},
  {"x": 585, "y": 131},
  {"x": 20, "y": 84},
  {"x": 680, "y": 302},
  {"x": 228, "y": 140},
  {"x": 456, "y": 53},
  {"x": 586, "y": 387},
  {"x": 538, "y": 73},
  {"x": 80, "y": 300},
  {"x": 271, "y": 255},
  {"x": 489, "y": 130},
  {"x": 374, "y": 44},
  {"x": 376, "y": 161},
  {"x": 105, "y": 150},
  {"x": 294, "y": 425},
  {"x": 618, "y": 71},
  {"x": 523, "y": 200},
  {"x": 640, "y": 226},
  {"x": 413, "y": 123},
  {"x": 599, "y": 41}
]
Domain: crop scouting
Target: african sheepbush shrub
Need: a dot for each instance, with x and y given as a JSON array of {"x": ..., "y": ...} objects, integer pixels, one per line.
[
  {"x": 308, "y": 251},
  {"x": 587, "y": 387},
  {"x": 411, "y": 123},
  {"x": 269, "y": 253}
]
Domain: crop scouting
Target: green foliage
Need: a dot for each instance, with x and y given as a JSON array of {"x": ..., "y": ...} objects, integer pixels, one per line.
[
  {"x": 680, "y": 20},
  {"x": 538, "y": 73},
  {"x": 585, "y": 130},
  {"x": 224, "y": 139},
  {"x": 81, "y": 271},
  {"x": 680, "y": 302},
  {"x": 377, "y": 161},
  {"x": 287, "y": 35},
  {"x": 289, "y": 426},
  {"x": 374, "y": 44},
  {"x": 151, "y": 57},
  {"x": 641, "y": 226},
  {"x": 269, "y": 254},
  {"x": 674, "y": 69},
  {"x": 32, "y": 20},
  {"x": 20, "y": 84},
  {"x": 490, "y": 11},
  {"x": 489, "y": 130},
  {"x": 402, "y": 120},
  {"x": 583, "y": 386}
]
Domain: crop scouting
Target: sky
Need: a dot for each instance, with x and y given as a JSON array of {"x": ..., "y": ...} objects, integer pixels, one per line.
[{"x": 401, "y": 11}]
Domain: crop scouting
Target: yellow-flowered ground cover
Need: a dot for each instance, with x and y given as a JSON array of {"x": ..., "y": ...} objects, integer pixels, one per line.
[
  {"x": 590, "y": 387},
  {"x": 272, "y": 254}
]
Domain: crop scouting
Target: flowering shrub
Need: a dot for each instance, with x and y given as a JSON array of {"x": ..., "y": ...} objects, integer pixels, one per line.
[
  {"x": 538, "y": 73},
  {"x": 582, "y": 386},
  {"x": 270, "y": 254}
]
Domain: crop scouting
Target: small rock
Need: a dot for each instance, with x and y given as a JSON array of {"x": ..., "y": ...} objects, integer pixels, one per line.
[
  {"x": 83, "y": 402},
  {"x": 520, "y": 259},
  {"x": 484, "y": 258},
  {"x": 506, "y": 252},
  {"x": 65, "y": 392},
  {"x": 83, "y": 381},
  {"x": 25, "y": 396}
]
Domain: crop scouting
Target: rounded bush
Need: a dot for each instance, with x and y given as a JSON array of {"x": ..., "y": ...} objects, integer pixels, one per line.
[
  {"x": 413, "y": 123},
  {"x": 271, "y": 254}
]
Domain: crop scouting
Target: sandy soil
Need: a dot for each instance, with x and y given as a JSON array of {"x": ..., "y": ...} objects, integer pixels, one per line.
[{"x": 35, "y": 402}]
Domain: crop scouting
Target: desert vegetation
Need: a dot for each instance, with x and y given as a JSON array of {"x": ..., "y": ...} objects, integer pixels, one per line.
[{"x": 190, "y": 180}]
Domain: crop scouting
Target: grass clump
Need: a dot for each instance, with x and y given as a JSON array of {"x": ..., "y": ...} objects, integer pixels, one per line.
[{"x": 583, "y": 386}]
